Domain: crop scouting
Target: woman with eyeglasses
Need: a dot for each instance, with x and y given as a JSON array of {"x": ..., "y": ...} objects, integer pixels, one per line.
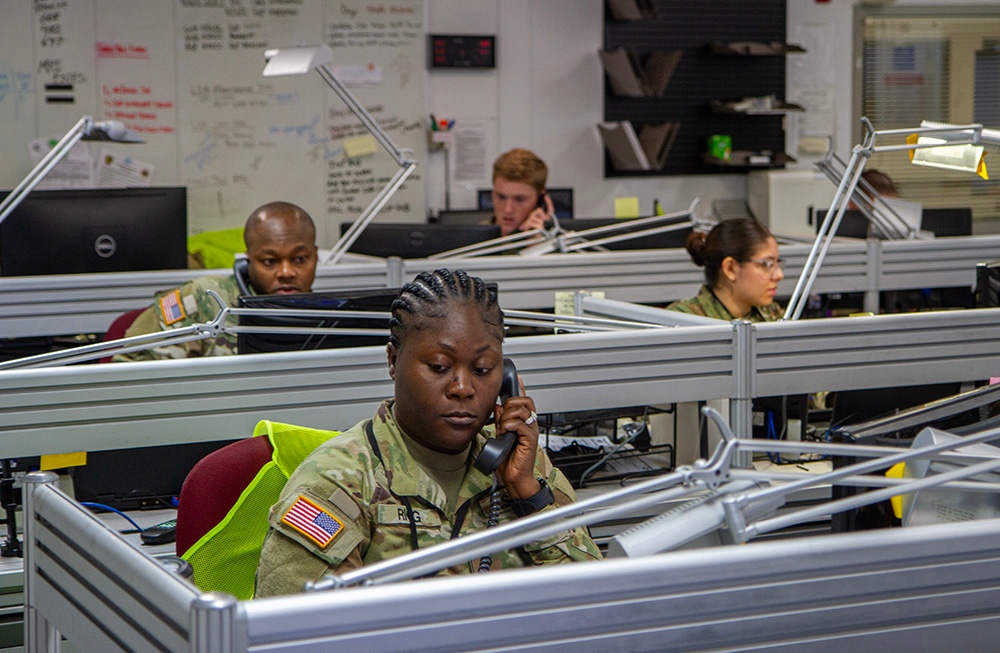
[{"x": 742, "y": 272}]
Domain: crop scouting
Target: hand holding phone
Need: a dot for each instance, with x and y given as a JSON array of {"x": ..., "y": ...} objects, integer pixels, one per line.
[
  {"x": 540, "y": 216},
  {"x": 497, "y": 449}
]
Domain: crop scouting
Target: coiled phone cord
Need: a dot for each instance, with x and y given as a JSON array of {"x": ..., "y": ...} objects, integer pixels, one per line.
[{"x": 495, "y": 501}]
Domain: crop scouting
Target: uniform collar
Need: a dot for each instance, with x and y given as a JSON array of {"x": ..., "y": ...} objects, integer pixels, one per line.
[{"x": 406, "y": 477}]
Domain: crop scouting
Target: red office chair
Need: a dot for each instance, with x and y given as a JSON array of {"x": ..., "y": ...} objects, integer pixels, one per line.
[
  {"x": 213, "y": 486},
  {"x": 119, "y": 326},
  {"x": 222, "y": 514}
]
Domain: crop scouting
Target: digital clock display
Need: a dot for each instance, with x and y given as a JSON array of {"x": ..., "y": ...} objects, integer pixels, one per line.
[{"x": 462, "y": 51}]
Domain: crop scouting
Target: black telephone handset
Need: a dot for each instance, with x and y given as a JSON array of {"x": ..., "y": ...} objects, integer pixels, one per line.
[
  {"x": 241, "y": 270},
  {"x": 497, "y": 449},
  {"x": 545, "y": 208}
]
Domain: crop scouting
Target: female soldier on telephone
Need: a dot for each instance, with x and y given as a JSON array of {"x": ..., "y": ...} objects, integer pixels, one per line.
[
  {"x": 742, "y": 272},
  {"x": 405, "y": 479}
]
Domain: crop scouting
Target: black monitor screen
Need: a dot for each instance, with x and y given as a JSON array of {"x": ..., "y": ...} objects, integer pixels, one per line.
[
  {"x": 95, "y": 230},
  {"x": 140, "y": 478},
  {"x": 562, "y": 200},
  {"x": 988, "y": 284},
  {"x": 673, "y": 238},
  {"x": 418, "y": 240},
  {"x": 852, "y": 225},
  {"x": 378, "y": 299},
  {"x": 940, "y": 222}
]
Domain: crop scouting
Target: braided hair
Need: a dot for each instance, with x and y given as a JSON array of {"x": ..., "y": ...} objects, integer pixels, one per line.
[{"x": 430, "y": 295}]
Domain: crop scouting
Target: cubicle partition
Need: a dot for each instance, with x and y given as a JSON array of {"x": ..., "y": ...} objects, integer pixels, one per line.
[
  {"x": 93, "y": 407},
  {"x": 71, "y": 304},
  {"x": 87, "y": 303},
  {"x": 923, "y": 588}
]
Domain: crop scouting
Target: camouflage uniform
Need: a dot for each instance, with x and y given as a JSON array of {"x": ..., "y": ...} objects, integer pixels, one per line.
[
  {"x": 181, "y": 307},
  {"x": 707, "y": 304},
  {"x": 363, "y": 501}
]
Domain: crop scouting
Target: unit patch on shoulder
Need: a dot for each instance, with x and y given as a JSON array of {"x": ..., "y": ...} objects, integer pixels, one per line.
[
  {"x": 312, "y": 521},
  {"x": 171, "y": 308}
]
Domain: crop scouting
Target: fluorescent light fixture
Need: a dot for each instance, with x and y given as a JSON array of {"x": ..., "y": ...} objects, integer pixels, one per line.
[
  {"x": 85, "y": 129},
  {"x": 300, "y": 60}
]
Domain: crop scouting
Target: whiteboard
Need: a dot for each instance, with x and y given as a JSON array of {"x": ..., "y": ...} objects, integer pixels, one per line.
[{"x": 187, "y": 76}]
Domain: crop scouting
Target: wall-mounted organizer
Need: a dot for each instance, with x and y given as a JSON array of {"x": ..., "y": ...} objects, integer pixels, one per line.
[{"x": 704, "y": 69}]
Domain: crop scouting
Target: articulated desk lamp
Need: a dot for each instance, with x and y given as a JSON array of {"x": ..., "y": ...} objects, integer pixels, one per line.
[
  {"x": 300, "y": 60},
  {"x": 85, "y": 129},
  {"x": 537, "y": 242},
  {"x": 938, "y": 145}
]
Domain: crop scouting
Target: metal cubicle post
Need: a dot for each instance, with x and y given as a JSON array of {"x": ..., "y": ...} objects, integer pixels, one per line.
[
  {"x": 741, "y": 404},
  {"x": 39, "y": 634}
]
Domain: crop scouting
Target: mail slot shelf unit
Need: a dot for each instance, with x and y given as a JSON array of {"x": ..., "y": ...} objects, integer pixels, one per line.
[{"x": 703, "y": 75}]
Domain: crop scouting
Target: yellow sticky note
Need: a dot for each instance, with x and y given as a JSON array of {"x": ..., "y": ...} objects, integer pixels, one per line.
[
  {"x": 360, "y": 146},
  {"x": 626, "y": 207},
  {"x": 60, "y": 460}
]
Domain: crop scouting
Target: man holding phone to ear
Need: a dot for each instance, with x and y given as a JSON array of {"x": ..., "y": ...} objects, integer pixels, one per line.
[
  {"x": 280, "y": 239},
  {"x": 520, "y": 202}
]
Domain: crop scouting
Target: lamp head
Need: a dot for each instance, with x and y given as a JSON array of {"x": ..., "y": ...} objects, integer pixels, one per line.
[
  {"x": 951, "y": 147},
  {"x": 295, "y": 61},
  {"x": 110, "y": 130}
]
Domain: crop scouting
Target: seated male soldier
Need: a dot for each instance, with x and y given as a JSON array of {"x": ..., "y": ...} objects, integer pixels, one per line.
[{"x": 281, "y": 254}]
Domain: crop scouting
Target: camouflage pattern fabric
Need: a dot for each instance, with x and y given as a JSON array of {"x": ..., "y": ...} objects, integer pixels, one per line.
[
  {"x": 708, "y": 305},
  {"x": 362, "y": 504},
  {"x": 181, "y": 307}
]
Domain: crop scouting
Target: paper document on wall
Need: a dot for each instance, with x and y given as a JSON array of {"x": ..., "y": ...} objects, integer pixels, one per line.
[
  {"x": 116, "y": 171},
  {"x": 75, "y": 170}
]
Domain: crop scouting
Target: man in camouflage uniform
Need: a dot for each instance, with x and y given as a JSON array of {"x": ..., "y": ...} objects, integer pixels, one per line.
[
  {"x": 409, "y": 478},
  {"x": 281, "y": 255}
]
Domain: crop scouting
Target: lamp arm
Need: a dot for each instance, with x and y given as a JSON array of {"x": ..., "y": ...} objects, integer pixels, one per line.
[
  {"x": 824, "y": 236},
  {"x": 48, "y": 162},
  {"x": 363, "y": 115},
  {"x": 200, "y": 331}
]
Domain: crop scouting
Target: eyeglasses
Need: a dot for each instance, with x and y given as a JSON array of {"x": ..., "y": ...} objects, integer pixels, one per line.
[{"x": 769, "y": 264}]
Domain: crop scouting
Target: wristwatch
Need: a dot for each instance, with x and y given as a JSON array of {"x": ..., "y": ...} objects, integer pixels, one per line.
[{"x": 534, "y": 503}]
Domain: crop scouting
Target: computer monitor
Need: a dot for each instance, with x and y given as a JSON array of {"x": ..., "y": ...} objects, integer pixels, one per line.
[
  {"x": 418, "y": 240},
  {"x": 662, "y": 240},
  {"x": 940, "y": 222},
  {"x": 139, "y": 478},
  {"x": 853, "y": 225},
  {"x": 988, "y": 284},
  {"x": 463, "y": 217},
  {"x": 562, "y": 200},
  {"x": 375, "y": 299},
  {"x": 95, "y": 230}
]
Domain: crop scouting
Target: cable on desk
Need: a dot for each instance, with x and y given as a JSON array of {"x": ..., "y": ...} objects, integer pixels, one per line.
[{"x": 101, "y": 506}]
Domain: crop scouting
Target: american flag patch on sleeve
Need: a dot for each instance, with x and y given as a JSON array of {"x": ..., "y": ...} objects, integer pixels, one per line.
[
  {"x": 312, "y": 521},
  {"x": 171, "y": 308}
]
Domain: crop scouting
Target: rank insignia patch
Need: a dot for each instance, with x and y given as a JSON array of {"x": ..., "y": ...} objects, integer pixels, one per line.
[{"x": 312, "y": 521}]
